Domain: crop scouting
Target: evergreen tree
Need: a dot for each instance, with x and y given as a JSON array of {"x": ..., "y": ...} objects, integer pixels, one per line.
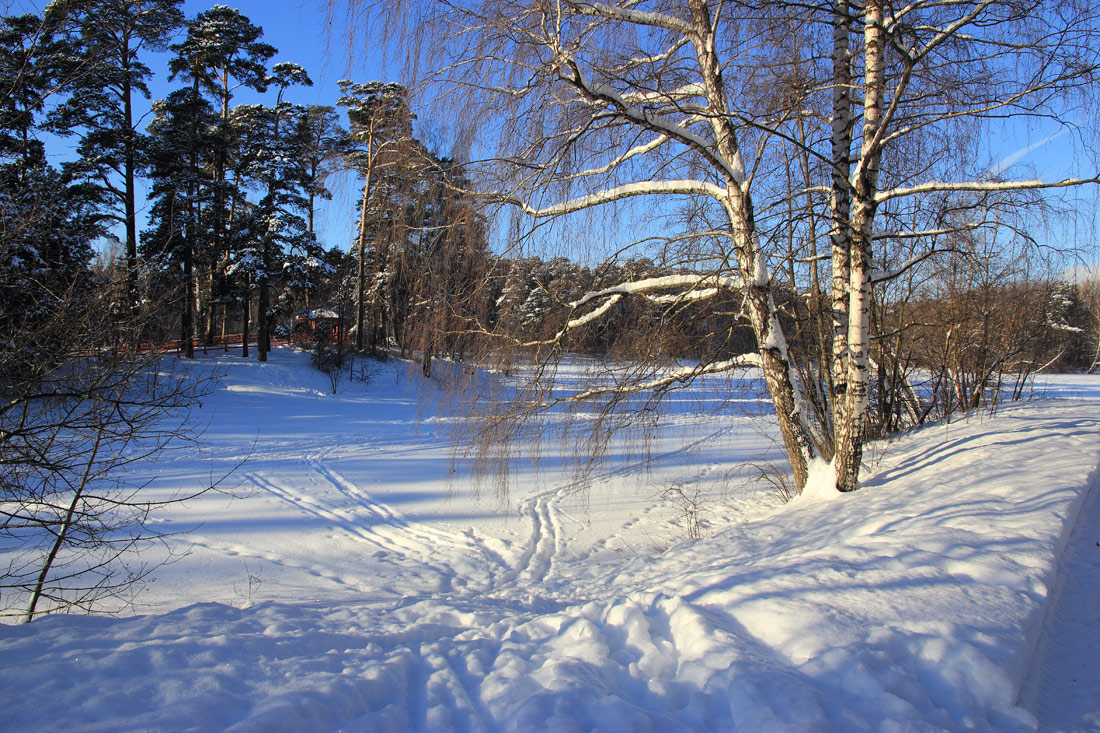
[
  {"x": 380, "y": 126},
  {"x": 48, "y": 218},
  {"x": 113, "y": 35},
  {"x": 322, "y": 144},
  {"x": 181, "y": 133},
  {"x": 33, "y": 65},
  {"x": 275, "y": 168},
  {"x": 221, "y": 53}
]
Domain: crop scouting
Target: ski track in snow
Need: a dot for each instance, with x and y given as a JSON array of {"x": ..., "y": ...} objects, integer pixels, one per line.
[
  {"x": 425, "y": 538},
  {"x": 314, "y": 569},
  {"x": 365, "y": 519},
  {"x": 545, "y": 546}
]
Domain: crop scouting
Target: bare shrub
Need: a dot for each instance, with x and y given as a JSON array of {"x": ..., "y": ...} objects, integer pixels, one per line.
[
  {"x": 690, "y": 507},
  {"x": 81, "y": 403}
]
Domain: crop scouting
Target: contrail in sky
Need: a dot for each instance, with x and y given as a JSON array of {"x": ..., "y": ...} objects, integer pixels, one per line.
[{"x": 1009, "y": 160}]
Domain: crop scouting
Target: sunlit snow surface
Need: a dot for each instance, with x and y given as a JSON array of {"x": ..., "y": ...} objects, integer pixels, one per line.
[{"x": 357, "y": 584}]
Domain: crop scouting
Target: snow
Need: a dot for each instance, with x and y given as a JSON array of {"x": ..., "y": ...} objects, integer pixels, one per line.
[
  {"x": 820, "y": 484},
  {"x": 356, "y": 583},
  {"x": 1062, "y": 686},
  {"x": 318, "y": 313}
]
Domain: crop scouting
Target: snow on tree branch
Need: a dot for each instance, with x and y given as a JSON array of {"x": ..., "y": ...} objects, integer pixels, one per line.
[
  {"x": 633, "y": 152},
  {"x": 687, "y": 91},
  {"x": 689, "y": 286},
  {"x": 638, "y": 17},
  {"x": 926, "y": 232},
  {"x": 665, "y": 282},
  {"x": 597, "y": 313},
  {"x": 936, "y": 186},
  {"x": 681, "y": 375},
  {"x": 628, "y": 190}
]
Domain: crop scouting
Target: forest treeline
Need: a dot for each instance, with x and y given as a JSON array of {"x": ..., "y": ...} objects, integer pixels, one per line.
[
  {"x": 229, "y": 244},
  {"x": 224, "y": 244}
]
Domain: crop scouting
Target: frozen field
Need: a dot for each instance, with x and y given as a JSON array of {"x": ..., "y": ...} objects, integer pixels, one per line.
[{"x": 353, "y": 581}]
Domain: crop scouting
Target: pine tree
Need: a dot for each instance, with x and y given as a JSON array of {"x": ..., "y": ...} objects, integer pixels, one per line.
[
  {"x": 322, "y": 144},
  {"x": 380, "y": 125},
  {"x": 113, "y": 36},
  {"x": 221, "y": 53},
  {"x": 181, "y": 133},
  {"x": 48, "y": 217},
  {"x": 280, "y": 226}
]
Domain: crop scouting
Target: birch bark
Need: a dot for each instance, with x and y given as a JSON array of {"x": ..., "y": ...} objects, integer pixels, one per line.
[
  {"x": 840, "y": 194},
  {"x": 775, "y": 363},
  {"x": 852, "y": 407}
]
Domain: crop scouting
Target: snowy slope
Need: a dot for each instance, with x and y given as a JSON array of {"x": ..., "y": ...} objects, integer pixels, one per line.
[{"x": 357, "y": 587}]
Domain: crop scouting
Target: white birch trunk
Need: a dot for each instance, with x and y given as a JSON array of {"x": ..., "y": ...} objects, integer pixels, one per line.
[
  {"x": 852, "y": 412},
  {"x": 840, "y": 199},
  {"x": 783, "y": 386}
]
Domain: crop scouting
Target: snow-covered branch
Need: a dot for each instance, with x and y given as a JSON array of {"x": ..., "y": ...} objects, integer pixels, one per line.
[
  {"x": 627, "y": 15},
  {"x": 633, "y": 152},
  {"x": 937, "y": 186},
  {"x": 627, "y": 190},
  {"x": 681, "y": 375},
  {"x": 653, "y": 284},
  {"x": 687, "y": 91},
  {"x": 926, "y": 232},
  {"x": 689, "y": 286}
]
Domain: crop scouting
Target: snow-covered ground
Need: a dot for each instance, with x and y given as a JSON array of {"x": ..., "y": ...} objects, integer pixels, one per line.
[{"x": 356, "y": 583}]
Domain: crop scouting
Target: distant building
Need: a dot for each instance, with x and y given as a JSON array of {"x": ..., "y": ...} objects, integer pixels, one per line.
[{"x": 320, "y": 324}]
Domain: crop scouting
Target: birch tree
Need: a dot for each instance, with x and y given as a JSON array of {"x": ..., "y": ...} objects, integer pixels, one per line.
[{"x": 705, "y": 104}]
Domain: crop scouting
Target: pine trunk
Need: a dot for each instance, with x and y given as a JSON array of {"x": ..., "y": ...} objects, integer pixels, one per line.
[
  {"x": 129, "y": 193},
  {"x": 245, "y": 315},
  {"x": 361, "y": 289},
  {"x": 262, "y": 343},
  {"x": 187, "y": 323}
]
